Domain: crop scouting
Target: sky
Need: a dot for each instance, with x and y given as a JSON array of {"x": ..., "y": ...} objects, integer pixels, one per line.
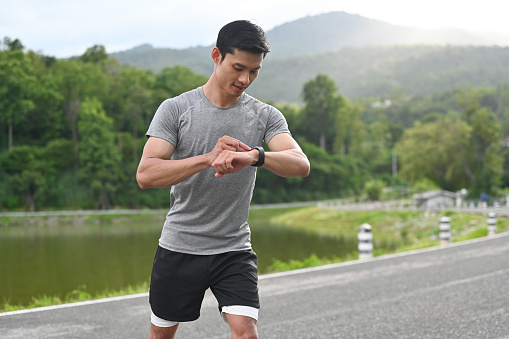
[{"x": 64, "y": 28}]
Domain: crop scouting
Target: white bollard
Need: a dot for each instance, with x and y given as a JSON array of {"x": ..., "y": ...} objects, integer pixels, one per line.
[
  {"x": 492, "y": 223},
  {"x": 365, "y": 237},
  {"x": 445, "y": 230}
]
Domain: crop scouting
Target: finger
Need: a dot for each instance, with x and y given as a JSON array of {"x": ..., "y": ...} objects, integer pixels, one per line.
[
  {"x": 229, "y": 147},
  {"x": 245, "y": 148},
  {"x": 223, "y": 162},
  {"x": 237, "y": 145}
]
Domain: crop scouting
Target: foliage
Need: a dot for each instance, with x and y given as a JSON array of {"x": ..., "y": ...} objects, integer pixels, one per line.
[
  {"x": 311, "y": 261},
  {"x": 374, "y": 70},
  {"x": 374, "y": 189},
  {"x": 99, "y": 157},
  {"x": 321, "y": 111},
  {"x": 76, "y": 295},
  {"x": 436, "y": 151},
  {"x": 17, "y": 85},
  {"x": 72, "y": 132}
]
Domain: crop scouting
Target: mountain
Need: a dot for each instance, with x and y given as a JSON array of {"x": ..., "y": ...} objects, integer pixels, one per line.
[
  {"x": 365, "y": 57},
  {"x": 335, "y": 30},
  {"x": 375, "y": 71}
]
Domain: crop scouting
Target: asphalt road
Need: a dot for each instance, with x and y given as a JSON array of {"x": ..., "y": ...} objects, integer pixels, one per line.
[{"x": 454, "y": 291}]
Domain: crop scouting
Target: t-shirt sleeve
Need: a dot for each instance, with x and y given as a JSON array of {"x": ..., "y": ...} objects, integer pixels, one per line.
[
  {"x": 165, "y": 125},
  {"x": 276, "y": 124}
]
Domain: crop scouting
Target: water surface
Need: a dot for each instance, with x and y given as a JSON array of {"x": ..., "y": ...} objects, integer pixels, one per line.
[{"x": 53, "y": 259}]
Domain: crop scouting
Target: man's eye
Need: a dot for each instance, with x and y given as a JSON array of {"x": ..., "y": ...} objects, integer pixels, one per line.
[{"x": 238, "y": 69}]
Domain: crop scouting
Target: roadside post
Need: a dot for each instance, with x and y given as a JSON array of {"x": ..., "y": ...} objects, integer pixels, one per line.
[
  {"x": 492, "y": 223},
  {"x": 365, "y": 237},
  {"x": 445, "y": 230}
]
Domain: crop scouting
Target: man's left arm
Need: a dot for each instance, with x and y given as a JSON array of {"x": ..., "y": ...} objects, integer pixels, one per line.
[{"x": 286, "y": 158}]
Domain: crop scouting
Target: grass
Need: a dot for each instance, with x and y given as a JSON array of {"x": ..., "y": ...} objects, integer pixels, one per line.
[
  {"x": 79, "y": 294},
  {"x": 394, "y": 231}
]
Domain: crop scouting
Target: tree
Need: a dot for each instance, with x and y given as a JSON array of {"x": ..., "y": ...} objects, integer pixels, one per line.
[
  {"x": 349, "y": 129},
  {"x": 374, "y": 189},
  {"x": 321, "y": 111},
  {"x": 95, "y": 54},
  {"x": 173, "y": 81},
  {"x": 28, "y": 173},
  {"x": 77, "y": 81},
  {"x": 133, "y": 97},
  {"x": 485, "y": 164},
  {"x": 436, "y": 151},
  {"x": 12, "y": 45},
  {"x": 99, "y": 158},
  {"x": 16, "y": 89}
]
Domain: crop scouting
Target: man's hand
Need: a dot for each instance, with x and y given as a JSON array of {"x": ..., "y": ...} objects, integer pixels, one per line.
[
  {"x": 229, "y": 162},
  {"x": 229, "y": 144},
  {"x": 229, "y": 156}
]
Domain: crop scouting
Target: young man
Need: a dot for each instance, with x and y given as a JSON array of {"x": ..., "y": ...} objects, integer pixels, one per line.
[{"x": 206, "y": 144}]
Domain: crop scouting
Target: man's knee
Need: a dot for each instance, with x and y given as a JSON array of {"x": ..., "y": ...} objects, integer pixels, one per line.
[
  {"x": 157, "y": 332},
  {"x": 242, "y": 327}
]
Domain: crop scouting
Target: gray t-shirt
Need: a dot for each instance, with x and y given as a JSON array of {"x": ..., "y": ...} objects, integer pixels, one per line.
[{"x": 208, "y": 215}]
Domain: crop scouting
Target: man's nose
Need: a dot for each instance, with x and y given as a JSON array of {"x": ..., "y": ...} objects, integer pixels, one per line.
[{"x": 244, "y": 78}]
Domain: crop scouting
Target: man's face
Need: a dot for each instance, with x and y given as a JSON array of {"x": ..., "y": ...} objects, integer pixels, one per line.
[{"x": 237, "y": 71}]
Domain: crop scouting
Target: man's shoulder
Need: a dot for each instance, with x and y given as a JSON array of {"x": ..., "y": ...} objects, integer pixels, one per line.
[
  {"x": 189, "y": 96},
  {"x": 252, "y": 102},
  {"x": 183, "y": 100}
]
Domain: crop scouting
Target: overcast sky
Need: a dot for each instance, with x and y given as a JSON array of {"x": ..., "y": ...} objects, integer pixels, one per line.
[{"x": 64, "y": 28}]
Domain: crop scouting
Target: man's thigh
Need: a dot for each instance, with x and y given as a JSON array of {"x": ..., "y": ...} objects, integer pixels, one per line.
[
  {"x": 178, "y": 285},
  {"x": 234, "y": 279}
]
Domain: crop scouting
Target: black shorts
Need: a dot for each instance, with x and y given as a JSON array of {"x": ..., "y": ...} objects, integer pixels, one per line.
[{"x": 179, "y": 282}]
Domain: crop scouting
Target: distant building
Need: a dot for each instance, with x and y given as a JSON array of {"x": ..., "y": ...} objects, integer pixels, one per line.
[
  {"x": 435, "y": 199},
  {"x": 385, "y": 103}
]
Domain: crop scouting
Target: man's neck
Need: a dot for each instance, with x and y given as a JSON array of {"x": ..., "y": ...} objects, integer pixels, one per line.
[{"x": 217, "y": 96}]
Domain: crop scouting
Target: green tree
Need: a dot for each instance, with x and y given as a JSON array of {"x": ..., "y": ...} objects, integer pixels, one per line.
[
  {"x": 173, "y": 81},
  {"x": 95, "y": 54},
  {"x": 99, "y": 156},
  {"x": 16, "y": 89},
  {"x": 77, "y": 81},
  {"x": 27, "y": 171},
  {"x": 484, "y": 166},
  {"x": 133, "y": 97},
  {"x": 374, "y": 189},
  {"x": 349, "y": 129},
  {"x": 436, "y": 151},
  {"x": 11, "y": 45},
  {"x": 321, "y": 111}
]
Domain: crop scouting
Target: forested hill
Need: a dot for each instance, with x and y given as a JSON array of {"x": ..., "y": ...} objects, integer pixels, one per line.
[
  {"x": 365, "y": 57},
  {"x": 314, "y": 35},
  {"x": 362, "y": 71},
  {"x": 378, "y": 71}
]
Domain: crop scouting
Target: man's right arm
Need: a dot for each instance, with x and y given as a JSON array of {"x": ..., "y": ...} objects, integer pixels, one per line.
[{"x": 157, "y": 170}]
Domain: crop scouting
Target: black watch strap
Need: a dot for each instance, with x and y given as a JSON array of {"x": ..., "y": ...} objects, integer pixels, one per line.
[{"x": 261, "y": 156}]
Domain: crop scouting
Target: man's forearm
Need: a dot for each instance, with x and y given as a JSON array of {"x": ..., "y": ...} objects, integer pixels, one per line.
[
  {"x": 158, "y": 173},
  {"x": 287, "y": 163}
]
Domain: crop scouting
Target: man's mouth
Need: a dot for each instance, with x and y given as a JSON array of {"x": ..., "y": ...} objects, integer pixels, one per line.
[{"x": 239, "y": 88}]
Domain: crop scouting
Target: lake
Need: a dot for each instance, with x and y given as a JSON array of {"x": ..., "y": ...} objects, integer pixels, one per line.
[{"x": 54, "y": 256}]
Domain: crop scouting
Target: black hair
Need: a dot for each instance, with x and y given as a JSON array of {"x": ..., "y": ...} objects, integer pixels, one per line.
[{"x": 243, "y": 35}]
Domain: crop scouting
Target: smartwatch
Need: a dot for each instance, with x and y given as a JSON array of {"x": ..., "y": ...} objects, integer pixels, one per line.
[{"x": 261, "y": 157}]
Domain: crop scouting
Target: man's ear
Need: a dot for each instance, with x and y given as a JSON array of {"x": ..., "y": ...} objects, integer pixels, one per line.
[{"x": 216, "y": 55}]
